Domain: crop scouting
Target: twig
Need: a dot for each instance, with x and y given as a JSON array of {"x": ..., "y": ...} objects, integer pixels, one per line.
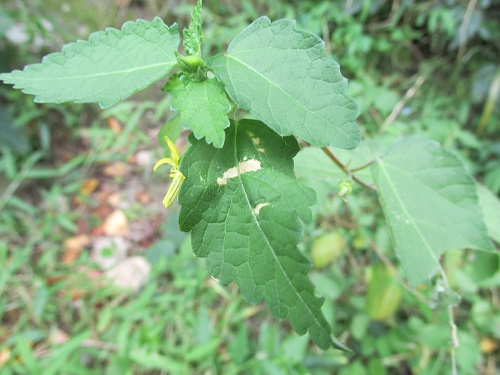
[
  {"x": 454, "y": 340},
  {"x": 347, "y": 170},
  {"x": 454, "y": 331},
  {"x": 464, "y": 27},
  {"x": 400, "y": 105},
  {"x": 363, "y": 166}
]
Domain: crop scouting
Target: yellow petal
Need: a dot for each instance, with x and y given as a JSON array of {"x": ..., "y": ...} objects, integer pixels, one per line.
[
  {"x": 164, "y": 161},
  {"x": 174, "y": 153},
  {"x": 173, "y": 190}
]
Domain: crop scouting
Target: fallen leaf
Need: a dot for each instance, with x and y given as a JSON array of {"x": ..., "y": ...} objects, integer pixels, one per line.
[
  {"x": 102, "y": 195},
  {"x": 116, "y": 169},
  {"x": 143, "y": 197},
  {"x": 130, "y": 274},
  {"x": 114, "y": 199},
  {"x": 73, "y": 246},
  {"x": 116, "y": 224},
  {"x": 114, "y": 125},
  {"x": 109, "y": 251},
  {"x": 103, "y": 211},
  {"x": 89, "y": 185}
]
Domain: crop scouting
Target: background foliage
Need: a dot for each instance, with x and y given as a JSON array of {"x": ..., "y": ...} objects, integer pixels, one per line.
[{"x": 426, "y": 68}]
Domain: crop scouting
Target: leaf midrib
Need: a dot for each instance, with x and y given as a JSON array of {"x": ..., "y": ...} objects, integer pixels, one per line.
[
  {"x": 406, "y": 213},
  {"x": 95, "y": 75},
  {"x": 265, "y": 237},
  {"x": 338, "y": 128}
]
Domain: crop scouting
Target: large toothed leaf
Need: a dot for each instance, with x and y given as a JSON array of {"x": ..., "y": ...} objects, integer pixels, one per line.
[
  {"x": 244, "y": 208},
  {"x": 279, "y": 74},
  {"x": 109, "y": 67},
  {"x": 203, "y": 107},
  {"x": 430, "y": 203}
]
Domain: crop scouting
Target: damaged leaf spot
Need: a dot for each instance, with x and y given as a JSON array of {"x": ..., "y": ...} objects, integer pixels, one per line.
[
  {"x": 257, "y": 208},
  {"x": 258, "y": 144},
  {"x": 251, "y": 165}
]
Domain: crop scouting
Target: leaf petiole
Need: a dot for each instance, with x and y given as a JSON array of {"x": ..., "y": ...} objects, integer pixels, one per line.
[{"x": 348, "y": 171}]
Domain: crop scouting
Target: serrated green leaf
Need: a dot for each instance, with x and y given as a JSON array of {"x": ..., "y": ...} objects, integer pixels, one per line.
[
  {"x": 490, "y": 205},
  {"x": 192, "y": 36},
  {"x": 203, "y": 107},
  {"x": 109, "y": 67},
  {"x": 244, "y": 207},
  {"x": 430, "y": 203},
  {"x": 279, "y": 74}
]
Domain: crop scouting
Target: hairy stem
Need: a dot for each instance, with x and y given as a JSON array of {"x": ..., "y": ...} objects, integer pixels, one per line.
[{"x": 347, "y": 171}]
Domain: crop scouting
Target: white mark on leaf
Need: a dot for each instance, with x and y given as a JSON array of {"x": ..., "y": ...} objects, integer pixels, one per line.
[
  {"x": 257, "y": 208},
  {"x": 258, "y": 144},
  {"x": 246, "y": 166}
]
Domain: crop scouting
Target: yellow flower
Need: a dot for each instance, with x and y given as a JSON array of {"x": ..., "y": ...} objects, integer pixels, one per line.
[{"x": 175, "y": 173}]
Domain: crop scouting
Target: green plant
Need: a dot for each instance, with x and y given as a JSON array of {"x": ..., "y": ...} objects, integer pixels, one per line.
[{"x": 240, "y": 198}]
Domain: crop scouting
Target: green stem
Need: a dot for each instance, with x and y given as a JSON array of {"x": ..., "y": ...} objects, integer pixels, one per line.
[
  {"x": 363, "y": 166},
  {"x": 347, "y": 171}
]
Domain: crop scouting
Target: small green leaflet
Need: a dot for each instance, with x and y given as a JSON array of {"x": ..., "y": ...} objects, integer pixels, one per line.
[
  {"x": 244, "y": 207},
  {"x": 192, "y": 36},
  {"x": 203, "y": 107},
  {"x": 279, "y": 74},
  {"x": 430, "y": 203},
  {"x": 109, "y": 67}
]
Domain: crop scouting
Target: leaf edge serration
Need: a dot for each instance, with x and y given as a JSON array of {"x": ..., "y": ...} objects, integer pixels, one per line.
[
  {"x": 203, "y": 190},
  {"x": 69, "y": 50},
  {"x": 349, "y": 129}
]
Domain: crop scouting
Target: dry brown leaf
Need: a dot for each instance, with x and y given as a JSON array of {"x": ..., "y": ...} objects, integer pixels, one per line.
[
  {"x": 89, "y": 186},
  {"x": 114, "y": 125},
  {"x": 114, "y": 199},
  {"x": 116, "y": 224},
  {"x": 73, "y": 246},
  {"x": 143, "y": 197},
  {"x": 116, "y": 169}
]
